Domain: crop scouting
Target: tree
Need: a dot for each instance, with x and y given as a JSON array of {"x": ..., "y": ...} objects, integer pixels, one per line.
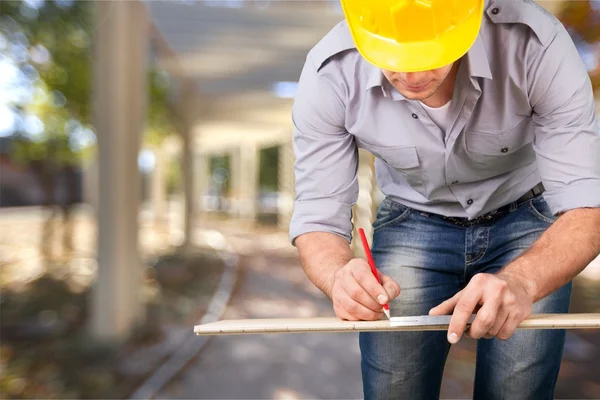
[{"x": 50, "y": 43}]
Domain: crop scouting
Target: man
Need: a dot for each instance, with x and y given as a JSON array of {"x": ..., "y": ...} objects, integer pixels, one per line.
[{"x": 481, "y": 118}]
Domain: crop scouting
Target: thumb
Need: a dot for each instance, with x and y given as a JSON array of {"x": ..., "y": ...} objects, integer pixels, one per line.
[{"x": 391, "y": 287}]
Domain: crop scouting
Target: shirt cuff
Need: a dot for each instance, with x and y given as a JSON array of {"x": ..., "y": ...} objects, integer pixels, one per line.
[
  {"x": 322, "y": 215},
  {"x": 583, "y": 193}
]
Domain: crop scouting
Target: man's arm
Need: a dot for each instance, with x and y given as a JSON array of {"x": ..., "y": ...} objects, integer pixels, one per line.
[
  {"x": 322, "y": 254},
  {"x": 559, "y": 255},
  {"x": 326, "y": 189},
  {"x": 506, "y": 298},
  {"x": 567, "y": 146},
  {"x": 355, "y": 293}
]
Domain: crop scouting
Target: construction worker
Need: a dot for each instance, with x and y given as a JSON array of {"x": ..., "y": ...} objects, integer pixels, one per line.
[{"x": 481, "y": 118}]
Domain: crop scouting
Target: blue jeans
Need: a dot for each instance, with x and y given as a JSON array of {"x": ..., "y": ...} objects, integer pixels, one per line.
[{"x": 432, "y": 258}]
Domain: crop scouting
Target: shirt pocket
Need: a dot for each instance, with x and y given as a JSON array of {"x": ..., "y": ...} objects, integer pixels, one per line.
[
  {"x": 405, "y": 161},
  {"x": 497, "y": 153}
]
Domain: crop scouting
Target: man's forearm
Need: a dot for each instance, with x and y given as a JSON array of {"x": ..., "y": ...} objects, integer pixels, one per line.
[
  {"x": 560, "y": 254},
  {"x": 322, "y": 254}
]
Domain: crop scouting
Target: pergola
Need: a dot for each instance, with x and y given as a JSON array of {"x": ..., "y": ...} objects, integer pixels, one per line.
[{"x": 224, "y": 63}]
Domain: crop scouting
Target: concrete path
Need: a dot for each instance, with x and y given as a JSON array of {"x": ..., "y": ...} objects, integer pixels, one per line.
[
  {"x": 272, "y": 284},
  {"x": 283, "y": 366},
  {"x": 325, "y": 366}
]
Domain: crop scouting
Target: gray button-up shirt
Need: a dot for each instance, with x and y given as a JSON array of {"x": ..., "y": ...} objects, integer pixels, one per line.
[{"x": 522, "y": 113}]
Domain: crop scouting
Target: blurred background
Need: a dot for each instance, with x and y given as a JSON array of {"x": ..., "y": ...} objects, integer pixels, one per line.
[{"x": 146, "y": 186}]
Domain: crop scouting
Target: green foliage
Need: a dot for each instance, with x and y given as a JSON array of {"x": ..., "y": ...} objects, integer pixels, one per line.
[
  {"x": 174, "y": 178},
  {"x": 58, "y": 39},
  {"x": 65, "y": 32},
  {"x": 159, "y": 120},
  {"x": 268, "y": 172}
]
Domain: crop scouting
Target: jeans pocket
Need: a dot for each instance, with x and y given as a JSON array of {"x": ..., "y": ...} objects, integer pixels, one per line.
[
  {"x": 540, "y": 209},
  {"x": 390, "y": 213}
]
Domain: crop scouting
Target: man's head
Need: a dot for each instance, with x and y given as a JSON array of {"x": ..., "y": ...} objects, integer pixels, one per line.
[
  {"x": 424, "y": 36},
  {"x": 419, "y": 85}
]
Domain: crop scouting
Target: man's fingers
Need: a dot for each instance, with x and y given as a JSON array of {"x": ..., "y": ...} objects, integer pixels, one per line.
[
  {"x": 356, "y": 309},
  {"x": 500, "y": 320},
  {"x": 341, "y": 313},
  {"x": 509, "y": 327},
  {"x": 484, "y": 320},
  {"x": 365, "y": 278},
  {"x": 391, "y": 287},
  {"x": 358, "y": 293},
  {"x": 462, "y": 312}
]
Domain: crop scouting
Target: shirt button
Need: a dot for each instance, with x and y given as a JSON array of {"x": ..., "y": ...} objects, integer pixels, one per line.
[
  {"x": 495, "y": 10},
  {"x": 415, "y": 116},
  {"x": 470, "y": 201},
  {"x": 504, "y": 149}
]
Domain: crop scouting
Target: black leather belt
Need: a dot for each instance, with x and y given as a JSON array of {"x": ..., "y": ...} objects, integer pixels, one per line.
[{"x": 536, "y": 191}]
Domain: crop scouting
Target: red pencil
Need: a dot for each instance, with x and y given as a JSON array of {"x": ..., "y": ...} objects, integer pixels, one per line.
[{"x": 363, "y": 238}]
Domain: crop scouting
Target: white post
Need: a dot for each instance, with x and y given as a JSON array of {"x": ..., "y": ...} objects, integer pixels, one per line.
[
  {"x": 286, "y": 180},
  {"x": 159, "y": 186},
  {"x": 202, "y": 178},
  {"x": 118, "y": 115},
  {"x": 363, "y": 210},
  {"x": 188, "y": 188},
  {"x": 244, "y": 162}
]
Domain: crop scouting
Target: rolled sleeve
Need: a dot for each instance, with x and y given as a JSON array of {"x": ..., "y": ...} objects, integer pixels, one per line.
[
  {"x": 326, "y": 157},
  {"x": 566, "y": 138}
]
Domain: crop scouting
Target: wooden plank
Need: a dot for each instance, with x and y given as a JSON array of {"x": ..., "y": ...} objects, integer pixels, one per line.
[{"x": 332, "y": 324}]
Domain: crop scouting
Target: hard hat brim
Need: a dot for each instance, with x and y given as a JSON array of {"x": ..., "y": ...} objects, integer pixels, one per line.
[{"x": 391, "y": 55}]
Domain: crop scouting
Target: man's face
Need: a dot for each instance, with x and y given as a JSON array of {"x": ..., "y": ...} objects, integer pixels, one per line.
[{"x": 418, "y": 85}]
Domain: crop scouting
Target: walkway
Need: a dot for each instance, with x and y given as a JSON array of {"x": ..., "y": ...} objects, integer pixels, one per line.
[{"x": 320, "y": 366}]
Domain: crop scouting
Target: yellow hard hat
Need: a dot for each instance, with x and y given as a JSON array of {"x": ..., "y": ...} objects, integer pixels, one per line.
[{"x": 413, "y": 35}]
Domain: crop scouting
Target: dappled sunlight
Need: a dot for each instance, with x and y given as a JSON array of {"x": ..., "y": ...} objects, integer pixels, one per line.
[{"x": 213, "y": 238}]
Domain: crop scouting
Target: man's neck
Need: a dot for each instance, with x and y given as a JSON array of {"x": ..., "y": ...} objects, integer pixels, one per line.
[{"x": 444, "y": 93}]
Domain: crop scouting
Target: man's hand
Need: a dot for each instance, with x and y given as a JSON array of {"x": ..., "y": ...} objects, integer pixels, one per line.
[
  {"x": 500, "y": 301},
  {"x": 356, "y": 294}
]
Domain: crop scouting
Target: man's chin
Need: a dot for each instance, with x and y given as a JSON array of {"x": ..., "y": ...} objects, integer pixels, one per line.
[{"x": 419, "y": 96}]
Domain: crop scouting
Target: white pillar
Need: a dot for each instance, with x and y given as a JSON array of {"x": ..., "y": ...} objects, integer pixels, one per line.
[
  {"x": 244, "y": 166},
  {"x": 188, "y": 188},
  {"x": 363, "y": 210},
  {"x": 202, "y": 178},
  {"x": 118, "y": 114},
  {"x": 286, "y": 180},
  {"x": 159, "y": 186}
]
